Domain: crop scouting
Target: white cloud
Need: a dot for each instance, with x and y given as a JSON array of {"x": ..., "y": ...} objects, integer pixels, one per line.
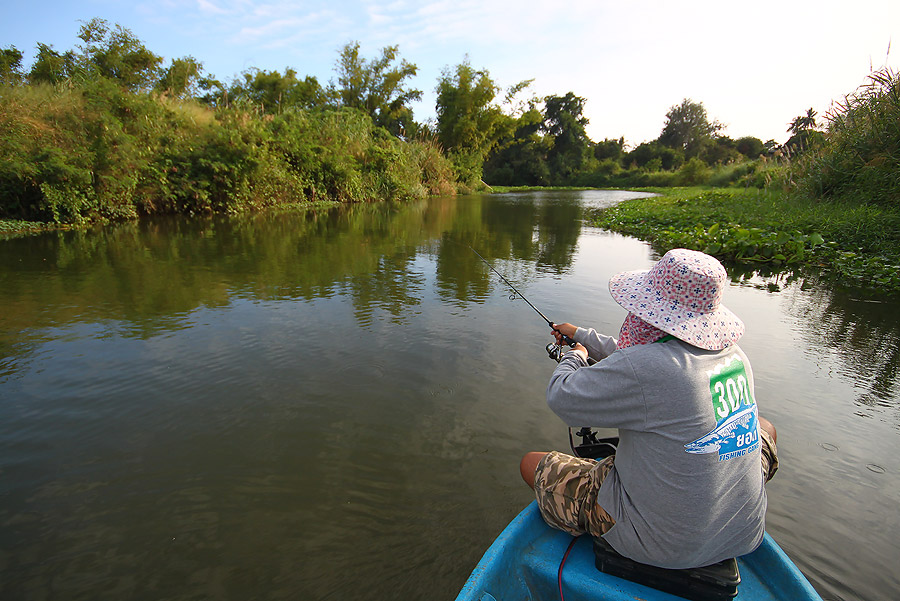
[{"x": 207, "y": 6}]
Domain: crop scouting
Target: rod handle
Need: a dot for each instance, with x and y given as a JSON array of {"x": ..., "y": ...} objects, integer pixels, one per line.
[{"x": 569, "y": 342}]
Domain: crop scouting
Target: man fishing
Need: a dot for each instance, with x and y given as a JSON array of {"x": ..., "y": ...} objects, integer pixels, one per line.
[{"x": 686, "y": 485}]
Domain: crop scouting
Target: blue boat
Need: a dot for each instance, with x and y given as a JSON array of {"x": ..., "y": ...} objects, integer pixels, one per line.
[{"x": 523, "y": 563}]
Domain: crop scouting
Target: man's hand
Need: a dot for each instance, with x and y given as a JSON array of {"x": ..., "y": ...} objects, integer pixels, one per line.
[
  {"x": 563, "y": 329},
  {"x": 578, "y": 348}
]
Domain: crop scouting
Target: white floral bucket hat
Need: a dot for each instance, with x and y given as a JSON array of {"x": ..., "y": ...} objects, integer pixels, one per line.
[{"x": 681, "y": 295}]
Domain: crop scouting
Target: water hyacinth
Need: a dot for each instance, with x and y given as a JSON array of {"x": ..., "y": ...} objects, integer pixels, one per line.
[{"x": 768, "y": 229}]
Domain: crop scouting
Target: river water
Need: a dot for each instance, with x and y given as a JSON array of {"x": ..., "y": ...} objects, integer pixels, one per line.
[{"x": 333, "y": 405}]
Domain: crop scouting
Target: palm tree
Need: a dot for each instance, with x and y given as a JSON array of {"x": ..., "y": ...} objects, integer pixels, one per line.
[{"x": 803, "y": 123}]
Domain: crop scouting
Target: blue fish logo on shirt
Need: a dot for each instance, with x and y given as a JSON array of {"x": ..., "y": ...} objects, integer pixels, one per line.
[{"x": 737, "y": 424}]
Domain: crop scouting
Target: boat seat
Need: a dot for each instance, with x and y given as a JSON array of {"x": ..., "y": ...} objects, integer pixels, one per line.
[{"x": 710, "y": 583}]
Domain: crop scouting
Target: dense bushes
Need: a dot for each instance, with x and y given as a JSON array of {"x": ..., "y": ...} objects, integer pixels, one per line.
[{"x": 96, "y": 151}]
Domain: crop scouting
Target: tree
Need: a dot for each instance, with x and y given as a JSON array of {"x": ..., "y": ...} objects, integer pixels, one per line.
[
  {"x": 10, "y": 66},
  {"x": 469, "y": 123},
  {"x": 750, "y": 147},
  {"x": 274, "y": 92},
  {"x": 687, "y": 126},
  {"x": 520, "y": 159},
  {"x": 804, "y": 132},
  {"x": 216, "y": 92},
  {"x": 50, "y": 66},
  {"x": 181, "y": 78},
  {"x": 377, "y": 87},
  {"x": 720, "y": 150},
  {"x": 803, "y": 122},
  {"x": 653, "y": 153},
  {"x": 115, "y": 53},
  {"x": 609, "y": 149},
  {"x": 564, "y": 123}
]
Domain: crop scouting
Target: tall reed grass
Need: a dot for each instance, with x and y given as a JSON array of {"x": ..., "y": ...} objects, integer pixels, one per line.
[{"x": 860, "y": 158}]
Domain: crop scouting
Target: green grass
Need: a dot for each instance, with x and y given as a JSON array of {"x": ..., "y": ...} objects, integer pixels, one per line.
[{"x": 769, "y": 228}]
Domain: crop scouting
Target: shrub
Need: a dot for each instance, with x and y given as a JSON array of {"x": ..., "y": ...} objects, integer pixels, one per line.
[{"x": 693, "y": 173}]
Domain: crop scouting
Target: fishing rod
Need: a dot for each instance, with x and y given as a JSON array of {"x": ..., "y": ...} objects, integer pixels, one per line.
[
  {"x": 590, "y": 446},
  {"x": 552, "y": 325}
]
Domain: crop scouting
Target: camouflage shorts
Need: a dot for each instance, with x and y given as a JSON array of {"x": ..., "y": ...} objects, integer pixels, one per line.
[
  {"x": 566, "y": 488},
  {"x": 769, "y": 455}
]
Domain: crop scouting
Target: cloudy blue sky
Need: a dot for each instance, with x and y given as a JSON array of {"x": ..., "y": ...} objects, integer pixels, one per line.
[{"x": 754, "y": 65}]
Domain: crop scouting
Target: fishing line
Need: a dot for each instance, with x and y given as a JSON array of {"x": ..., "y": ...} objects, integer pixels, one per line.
[{"x": 517, "y": 294}]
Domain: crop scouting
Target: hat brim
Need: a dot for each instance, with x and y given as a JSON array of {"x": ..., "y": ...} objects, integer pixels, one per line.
[{"x": 712, "y": 330}]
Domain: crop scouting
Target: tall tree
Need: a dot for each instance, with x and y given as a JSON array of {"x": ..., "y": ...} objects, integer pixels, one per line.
[
  {"x": 50, "y": 66},
  {"x": 803, "y": 122},
  {"x": 469, "y": 123},
  {"x": 10, "y": 66},
  {"x": 750, "y": 146},
  {"x": 803, "y": 132},
  {"x": 377, "y": 86},
  {"x": 115, "y": 53},
  {"x": 520, "y": 159},
  {"x": 274, "y": 92},
  {"x": 609, "y": 149},
  {"x": 181, "y": 78},
  {"x": 564, "y": 123},
  {"x": 688, "y": 127}
]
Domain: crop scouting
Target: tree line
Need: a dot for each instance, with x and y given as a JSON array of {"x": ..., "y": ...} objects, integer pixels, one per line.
[{"x": 107, "y": 130}]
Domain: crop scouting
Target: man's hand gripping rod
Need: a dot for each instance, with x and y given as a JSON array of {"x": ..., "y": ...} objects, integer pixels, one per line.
[{"x": 567, "y": 340}]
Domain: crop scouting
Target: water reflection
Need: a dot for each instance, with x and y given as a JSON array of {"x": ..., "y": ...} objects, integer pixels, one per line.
[
  {"x": 152, "y": 275},
  {"x": 865, "y": 333}
]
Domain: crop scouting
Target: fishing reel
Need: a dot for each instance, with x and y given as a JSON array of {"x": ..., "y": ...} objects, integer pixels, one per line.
[
  {"x": 555, "y": 351},
  {"x": 592, "y": 447}
]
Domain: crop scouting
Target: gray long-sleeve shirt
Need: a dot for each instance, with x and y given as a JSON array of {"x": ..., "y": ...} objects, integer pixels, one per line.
[{"x": 687, "y": 488}]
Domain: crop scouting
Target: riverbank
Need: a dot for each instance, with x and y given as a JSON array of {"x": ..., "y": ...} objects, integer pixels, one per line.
[{"x": 770, "y": 230}]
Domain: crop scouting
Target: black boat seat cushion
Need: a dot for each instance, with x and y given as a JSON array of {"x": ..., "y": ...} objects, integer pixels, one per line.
[{"x": 709, "y": 583}]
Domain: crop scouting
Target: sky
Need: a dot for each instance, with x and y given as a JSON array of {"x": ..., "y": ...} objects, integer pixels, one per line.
[{"x": 754, "y": 66}]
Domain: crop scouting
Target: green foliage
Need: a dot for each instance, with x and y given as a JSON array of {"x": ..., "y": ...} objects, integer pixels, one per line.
[
  {"x": 740, "y": 174},
  {"x": 181, "y": 79},
  {"x": 271, "y": 92},
  {"x": 764, "y": 227},
  {"x": 859, "y": 157},
  {"x": 609, "y": 149},
  {"x": 51, "y": 67},
  {"x": 564, "y": 124},
  {"x": 521, "y": 159},
  {"x": 668, "y": 158},
  {"x": 750, "y": 147},
  {"x": 469, "y": 123},
  {"x": 687, "y": 127},
  {"x": 693, "y": 173},
  {"x": 106, "y": 52},
  {"x": 377, "y": 87},
  {"x": 10, "y": 66},
  {"x": 121, "y": 137},
  {"x": 100, "y": 152},
  {"x": 115, "y": 53}
]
